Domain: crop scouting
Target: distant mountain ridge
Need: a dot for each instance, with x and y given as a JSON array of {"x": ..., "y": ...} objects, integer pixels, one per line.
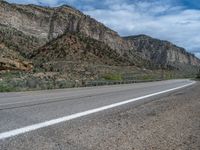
[
  {"x": 161, "y": 52},
  {"x": 38, "y": 26}
]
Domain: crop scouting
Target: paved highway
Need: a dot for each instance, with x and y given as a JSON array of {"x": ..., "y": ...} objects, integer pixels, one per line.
[{"x": 27, "y": 111}]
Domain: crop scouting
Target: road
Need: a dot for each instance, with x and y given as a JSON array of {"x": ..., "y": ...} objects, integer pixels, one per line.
[{"x": 28, "y": 111}]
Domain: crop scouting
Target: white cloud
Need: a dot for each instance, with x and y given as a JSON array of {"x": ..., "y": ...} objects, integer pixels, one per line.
[
  {"x": 37, "y": 2},
  {"x": 197, "y": 55}
]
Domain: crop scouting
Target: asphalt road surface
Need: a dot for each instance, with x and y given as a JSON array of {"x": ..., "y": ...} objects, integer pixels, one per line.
[{"x": 29, "y": 113}]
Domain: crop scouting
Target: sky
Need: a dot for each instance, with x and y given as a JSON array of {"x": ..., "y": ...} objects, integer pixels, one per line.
[{"x": 177, "y": 21}]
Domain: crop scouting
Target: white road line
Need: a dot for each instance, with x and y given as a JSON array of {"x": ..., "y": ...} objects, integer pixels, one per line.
[{"x": 26, "y": 129}]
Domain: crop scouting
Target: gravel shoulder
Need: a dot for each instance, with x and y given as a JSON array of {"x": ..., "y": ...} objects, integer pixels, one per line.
[{"x": 170, "y": 121}]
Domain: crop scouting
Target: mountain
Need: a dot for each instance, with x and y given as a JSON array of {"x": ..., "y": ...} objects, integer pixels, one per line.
[
  {"x": 65, "y": 43},
  {"x": 76, "y": 47},
  {"x": 48, "y": 23},
  {"x": 161, "y": 52},
  {"x": 35, "y": 26},
  {"x": 77, "y": 54}
]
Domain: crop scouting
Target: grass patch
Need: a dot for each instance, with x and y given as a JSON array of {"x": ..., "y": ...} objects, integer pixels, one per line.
[
  {"x": 11, "y": 75},
  {"x": 6, "y": 88},
  {"x": 113, "y": 77}
]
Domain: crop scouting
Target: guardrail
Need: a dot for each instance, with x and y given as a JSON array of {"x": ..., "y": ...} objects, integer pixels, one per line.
[
  {"x": 44, "y": 85},
  {"x": 101, "y": 83}
]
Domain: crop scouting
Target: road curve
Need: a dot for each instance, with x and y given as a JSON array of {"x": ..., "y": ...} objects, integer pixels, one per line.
[{"x": 27, "y": 111}]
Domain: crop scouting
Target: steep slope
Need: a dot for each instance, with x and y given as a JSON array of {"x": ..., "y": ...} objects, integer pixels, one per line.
[
  {"x": 14, "y": 47},
  {"x": 75, "y": 47},
  {"x": 47, "y": 23},
  {"x": 44, "y": 48},
  {"x": 34, "y": 26},
  {"x": 11, "y": 60},
  {"x": 44, "y": 24},
  {"x": 76, "y": 57},
  {"x": 161, "y": 52},
  {"x": 18, "y": 41}
]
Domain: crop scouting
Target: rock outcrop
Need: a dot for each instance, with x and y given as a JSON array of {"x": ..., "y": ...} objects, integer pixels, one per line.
[
  {"x": 11, "y": 60},
  {"x": 34, "y": 26},
  {"x": 48, "y": 23},
  {"x": 161, "y": 52}
]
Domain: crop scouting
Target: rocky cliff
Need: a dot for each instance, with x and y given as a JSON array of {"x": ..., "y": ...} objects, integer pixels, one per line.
[
  {"x": 48, "y": 23},
  {"x": 44, "y": 24},
  {"x": 161, "y": 52},
  {"x": 26, "y": 28}
]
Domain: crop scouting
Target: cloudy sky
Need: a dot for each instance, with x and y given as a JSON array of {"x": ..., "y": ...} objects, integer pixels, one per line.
[{"x": 175, "y": 20}]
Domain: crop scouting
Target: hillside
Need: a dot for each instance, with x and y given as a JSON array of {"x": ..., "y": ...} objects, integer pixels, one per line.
[
  {"x": 62, "y": 44},
  {"x": 44, "y": 24},
  {"x": 75, "y": 47},
  {"x": 82, "y": 57},
  {"x": 18, "y": 41},
  {"x": 12, "y": 60},
  {"x": 47, "y": 23},
  {"x": 161, "y": 52},
  {"x": 78, "y": 48}
]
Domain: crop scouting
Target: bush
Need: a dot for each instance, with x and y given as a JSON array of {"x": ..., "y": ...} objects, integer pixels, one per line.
[
  {"x": 6, "y": 88},
  {"x": 198, "y": 75},
  {"x": 113, "y": 77}
]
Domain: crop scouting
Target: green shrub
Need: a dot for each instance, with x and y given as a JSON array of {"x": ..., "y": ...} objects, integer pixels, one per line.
[
  {"x": 6, "y": 88},
  {"x": 113, "y": 77},
  {"x": 198, "y": 75},
  {"x": 11, "y": 75},
  {"x": 145, "y": 77}
]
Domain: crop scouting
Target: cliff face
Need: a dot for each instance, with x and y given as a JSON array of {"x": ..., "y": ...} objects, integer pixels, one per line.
[
  {"x": 30, "y": 20},
  {"x": 161, "y": 52},
  {"x": 48, "y": 23},
  {"x": 25, "y": 28}
]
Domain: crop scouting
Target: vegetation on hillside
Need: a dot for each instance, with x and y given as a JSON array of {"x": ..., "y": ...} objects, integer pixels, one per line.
[
  {"x": 18, "y": 41},
  {"x": 33, "y": 57},
  {"x": 79, "y": 48},
  {"x": 113, "y": 77},
  {"x": 198, "y": 75}
]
